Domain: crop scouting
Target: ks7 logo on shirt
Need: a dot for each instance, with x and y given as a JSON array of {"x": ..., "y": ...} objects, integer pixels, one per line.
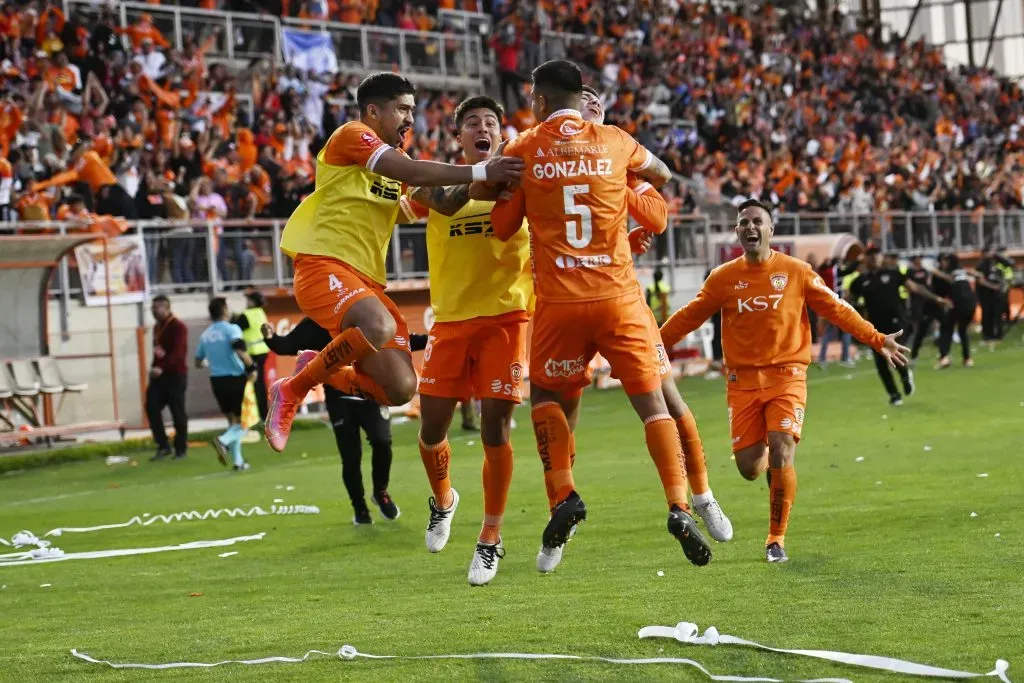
[{"x": 758, "y": 303}]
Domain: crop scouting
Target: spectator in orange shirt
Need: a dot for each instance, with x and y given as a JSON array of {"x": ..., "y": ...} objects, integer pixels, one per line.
[{"x": 142, "y": 29}]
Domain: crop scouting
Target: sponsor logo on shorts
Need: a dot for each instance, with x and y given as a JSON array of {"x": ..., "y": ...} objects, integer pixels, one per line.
[
  {"x": 401, "y": 341},
  {"x": 566, "y": 262},
  {"x": 564, "y": 368},
  {"x": 385, "y": 412},
  {"x": 779, "y": 281},
  {"x": 735, "y": 439},
  {"x": 732, "y": 377},
  {"x": 786, "y": 423},
  {"x": 515, "y": 370},
  {"x": 427, "y": 380},
  {"x": 429, "y": 348},
  {"x": 505, "y": 389},
  {"x": 344, "y": 295},
  {"x": 799, "y": 414}
]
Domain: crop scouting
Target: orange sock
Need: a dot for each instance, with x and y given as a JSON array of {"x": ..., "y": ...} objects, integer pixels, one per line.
[
  {"x": 435, "y": 460},
  {"x": 667, "y": 453},
  {"x": 782, "y": 492},
  {"x": 348, "y": 380},
  {"x": 497, "y": 475},
  {"x": 553, "y": 440},
  {"x": 548, "y": 486},
  {"x": 345, "y": 349},
  {"x": 693, "y": 452}
]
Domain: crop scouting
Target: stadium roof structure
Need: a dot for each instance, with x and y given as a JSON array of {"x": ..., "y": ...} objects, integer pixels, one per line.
[{"x": 973, "y": 33}]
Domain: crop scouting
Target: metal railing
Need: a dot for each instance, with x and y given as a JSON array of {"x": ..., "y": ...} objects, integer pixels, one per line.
[
  {"x": 239, "y": 35},
  {"x": 441, "y": 59},
  {"x": 432, "y": 58},
  {"x": 232, "y": 254}
]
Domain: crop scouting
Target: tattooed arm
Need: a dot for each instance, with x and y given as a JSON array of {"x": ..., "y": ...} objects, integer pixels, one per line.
[{"x": 444, "y": 200}]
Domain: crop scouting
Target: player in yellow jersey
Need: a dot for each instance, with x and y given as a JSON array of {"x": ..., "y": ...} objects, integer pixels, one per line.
[
  {"x": 338, "y": 238},
  {"x": 481, "y": 292}
]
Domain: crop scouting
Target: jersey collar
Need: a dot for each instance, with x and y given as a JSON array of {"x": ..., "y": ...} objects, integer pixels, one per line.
[{"x": 565, "y": 112}]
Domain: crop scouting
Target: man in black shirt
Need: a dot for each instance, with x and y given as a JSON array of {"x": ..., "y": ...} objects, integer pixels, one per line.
[
  {"x": 922, "y": 311},
  {"x": 880, "y": 289},
  {"x": 992, "y": 297}
]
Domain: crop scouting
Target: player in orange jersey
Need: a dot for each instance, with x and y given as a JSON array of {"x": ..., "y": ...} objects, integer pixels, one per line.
[
  {"x": 574, "y": 195},
  {"x": 763, "y": 296},
  {"x": 481, "y": 294},
  {"x": 339, "y": 237}
]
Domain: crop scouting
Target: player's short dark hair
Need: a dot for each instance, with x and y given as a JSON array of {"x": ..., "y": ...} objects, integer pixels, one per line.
[
  {"x": 754, "y": 204},
  {"x": 592, "y": 90},
  {"x": 218, "y": 307},
  {"x": 872, "y": 250},
  {"x": 477, "y": 102},
  {"x": 559, "y": 80},
  {"x": 160, "y": 298},
  {"x": 382, "y": 87}
]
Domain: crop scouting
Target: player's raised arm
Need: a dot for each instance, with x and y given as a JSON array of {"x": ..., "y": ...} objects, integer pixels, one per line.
[
  {"x": 507, "y": 215},
  {"x": 828, "y": 305},
  {"x": 444, "y": 200},
  {"x": 397, "y": 166},
  {"x": 656, "y": 172},
  {"x": 691, "y": 316},
  {"x": 648, "y": 208}
]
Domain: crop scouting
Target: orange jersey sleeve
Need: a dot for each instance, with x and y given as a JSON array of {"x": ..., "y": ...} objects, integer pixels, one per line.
[
  {"x": 575, "y": 197},
  {"x": 411, "y": 210},
  {"x": 354, "y": 144},
  {"x": 708, "y": 301},
  {"x": 840, "y": 313},
  {"x": 646, "y": 206},
  {"x": 507, "y": 215}
]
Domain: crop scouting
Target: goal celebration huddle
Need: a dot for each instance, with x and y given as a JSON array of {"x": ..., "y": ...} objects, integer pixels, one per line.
[{"x": 535, "y": 230}]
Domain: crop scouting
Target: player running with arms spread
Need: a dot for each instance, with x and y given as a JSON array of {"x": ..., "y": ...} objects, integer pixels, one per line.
[
  {"x": 574, "y": 195},
  {"x": 481, "y": 292},
  {"x": 766, "y": 336},
  {"x": 338, "y": 238}
]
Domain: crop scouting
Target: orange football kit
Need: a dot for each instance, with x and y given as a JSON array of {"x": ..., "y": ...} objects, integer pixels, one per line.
[
  {"x": 766, "y": 341},
  {"x": 574, "y": 194}
]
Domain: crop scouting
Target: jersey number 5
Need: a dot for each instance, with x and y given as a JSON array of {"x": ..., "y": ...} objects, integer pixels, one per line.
[{"x": 578, "y": 235}]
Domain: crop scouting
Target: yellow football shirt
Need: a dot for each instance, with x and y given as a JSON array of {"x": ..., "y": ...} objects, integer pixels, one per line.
[
  {"x": 473, "y": 274},
  {"x": 351, "y": 214}
]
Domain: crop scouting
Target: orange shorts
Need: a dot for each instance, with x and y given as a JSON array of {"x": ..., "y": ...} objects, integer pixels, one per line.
[
  {"x": 755, "y": 412},
  {"x": 481, "y": 358},
  {"x": 567, "y": 335},
  {"x": 325, "y": 288}
]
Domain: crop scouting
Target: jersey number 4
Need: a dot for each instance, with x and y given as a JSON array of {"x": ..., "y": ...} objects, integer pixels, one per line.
[{"x": 580, "y": 230}]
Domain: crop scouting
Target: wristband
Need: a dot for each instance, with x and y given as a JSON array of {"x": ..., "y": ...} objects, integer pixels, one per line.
[
  {"x": 479, "y": 172},
  {"x": 251, "y": 369}
]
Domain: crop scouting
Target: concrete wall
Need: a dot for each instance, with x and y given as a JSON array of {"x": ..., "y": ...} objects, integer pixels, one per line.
[{"x": 87, "y": 328}]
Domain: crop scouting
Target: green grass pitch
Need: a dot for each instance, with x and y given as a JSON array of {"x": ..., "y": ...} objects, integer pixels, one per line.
[{"x": 885, "y": 557}]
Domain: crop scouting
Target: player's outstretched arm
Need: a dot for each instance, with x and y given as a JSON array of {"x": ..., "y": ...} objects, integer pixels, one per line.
[
  {"x": 444, "y": 200},
  {"x": 828, "y": 305},
  {"x": 508, "y": 214},
  {"x": 648, "y": 208},
  {"x": 921, "y": 290},
  {"x": 397, "y": 166},
  {"x": 691, "y": 316}
]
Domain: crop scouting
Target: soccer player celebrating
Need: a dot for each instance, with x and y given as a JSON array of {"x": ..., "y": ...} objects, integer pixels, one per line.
[
  {"x": 766, "y": 336},
  {"x": 481, "y": 292},
  {"x": 588, "y": 300},
  {"x": 879, "y": 287},
  {"x": 338, "y": 238}
]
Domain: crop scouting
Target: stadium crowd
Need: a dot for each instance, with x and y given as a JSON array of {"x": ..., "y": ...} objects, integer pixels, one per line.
[{"x": 812, "y": 116}]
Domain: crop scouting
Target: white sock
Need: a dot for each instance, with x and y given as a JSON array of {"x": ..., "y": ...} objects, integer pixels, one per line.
[{"x": 703, "y": 498}]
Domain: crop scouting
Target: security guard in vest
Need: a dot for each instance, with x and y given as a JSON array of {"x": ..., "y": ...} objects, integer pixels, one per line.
[
  {"x": 251, "y": 321},
  {"x": 657, "y": 297}
]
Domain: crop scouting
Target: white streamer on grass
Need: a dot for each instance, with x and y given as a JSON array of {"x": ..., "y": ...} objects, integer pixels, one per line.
[
  {"x": 192, "y": 515},
  {"x": 688, "y": 633},
  {"x": 121, "y": 552},
  {"x": 347, "y": 652},
  {"x": 683, "y": 632}
]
